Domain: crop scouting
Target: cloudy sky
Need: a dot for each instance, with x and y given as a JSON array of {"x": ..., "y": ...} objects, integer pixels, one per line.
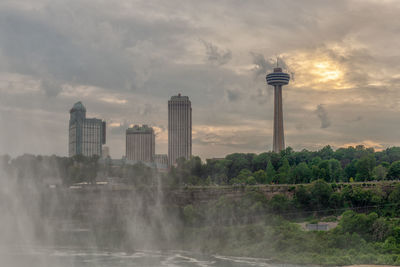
[{"x": 123, "y": 59}]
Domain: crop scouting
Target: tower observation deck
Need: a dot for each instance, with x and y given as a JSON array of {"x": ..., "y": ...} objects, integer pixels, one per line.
[{"x": 277, "y": 79}]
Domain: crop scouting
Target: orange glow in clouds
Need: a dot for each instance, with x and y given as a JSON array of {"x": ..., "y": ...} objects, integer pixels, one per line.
[
  {"x": 326, "y": 71},
  {"x": 317, "y": 71}
]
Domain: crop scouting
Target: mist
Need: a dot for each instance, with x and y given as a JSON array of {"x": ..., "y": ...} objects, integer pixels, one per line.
[{"x": 330, "y": 197}]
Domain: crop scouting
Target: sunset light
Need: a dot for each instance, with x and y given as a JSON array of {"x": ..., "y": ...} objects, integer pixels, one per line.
[{"x": 326, "y": 71}]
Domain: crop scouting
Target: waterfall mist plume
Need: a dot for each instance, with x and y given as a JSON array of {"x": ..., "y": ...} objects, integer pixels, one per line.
[{"x": 40, "y": 210}]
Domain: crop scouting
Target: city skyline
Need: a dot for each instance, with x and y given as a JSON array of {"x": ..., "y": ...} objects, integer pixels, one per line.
[{"x": 124, "y": 60}]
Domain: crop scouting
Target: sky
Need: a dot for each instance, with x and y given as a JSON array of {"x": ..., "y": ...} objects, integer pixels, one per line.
[{"x": 124, "y": 59}]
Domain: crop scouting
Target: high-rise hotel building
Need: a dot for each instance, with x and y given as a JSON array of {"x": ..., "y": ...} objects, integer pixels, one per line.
[
  {"x": 140, "y": 143},
  {"x": 179, "y": 128},
  {"x": 86, "y": 136}
]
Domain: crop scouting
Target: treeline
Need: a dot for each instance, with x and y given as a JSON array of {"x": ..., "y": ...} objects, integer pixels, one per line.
[
  {"x": 71, "y": 170},
  {"x": 290, "y": 167}
]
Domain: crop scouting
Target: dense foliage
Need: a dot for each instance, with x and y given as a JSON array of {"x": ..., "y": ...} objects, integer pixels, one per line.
[
  {"x": 259, "y": 227},
  {"x": 73, "y": 170},
  {"x": 288, "y": 167},
  {"x": 302, "y": 201},
  {"x": 291, "y": 167}
]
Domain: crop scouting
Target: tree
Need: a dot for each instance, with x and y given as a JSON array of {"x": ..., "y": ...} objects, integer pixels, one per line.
[
  {"x": 284, "y": 171},
  {"x": 361, "y": 224},
  {"x": 260, "y": 176},
  {"x": 325, "y": 170},
  {"x": 336, "y": 200},
  {"x": 379, "y": 173},
  {"x": 315, "y": 173},
  {"x": 218, "y": 170},
  {"x": 208, "y": 181},
  {"x": 238, "y": 162},
  {"x": 251, "y": 180},
  {"x": 244, "y": 174},
  {"x": 394, "y": 171},
  {"x": 195, "y": 166},
  {"x": 326, "y": 152},
  {"x": 336, "y": 170},
  {"x": 260, "y": 161},
  {"x": 279, "y": 203},
  {"x": 390, "y": 155},
  {"x": 270, "y": 172},
  {"x": 394, "y": 196},
  {"x": 302, "y": 196},
  {"x": 301, "y": 173},
  {"x": 379, "y": 230},
  {"x": 361, "y": 197},
  {"x": 350, "y": 169},
  {"x": 365, "y": 167},
  {"x": 320, "y": 193},
  {"x": 302, "y": 156}
]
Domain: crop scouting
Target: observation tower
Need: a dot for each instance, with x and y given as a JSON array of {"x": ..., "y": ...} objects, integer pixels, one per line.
[{"x": 277, "y": 79}]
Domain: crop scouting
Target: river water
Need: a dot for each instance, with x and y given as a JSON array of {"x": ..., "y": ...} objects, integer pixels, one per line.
[{"x": 67, "y": 257}]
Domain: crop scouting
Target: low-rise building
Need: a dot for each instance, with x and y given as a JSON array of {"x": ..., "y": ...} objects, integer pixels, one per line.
[{"x": 140, "y": 143}]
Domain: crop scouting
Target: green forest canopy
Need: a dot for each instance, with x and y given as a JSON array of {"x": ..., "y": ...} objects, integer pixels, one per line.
[{"x": 288, "y": 167}]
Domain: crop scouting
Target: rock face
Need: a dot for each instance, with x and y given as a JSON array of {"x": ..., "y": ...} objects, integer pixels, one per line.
[
  {"x": 96, "y": 202},
  {"x": 110, "y": 204},
  {"x": 190, "y": 195}
]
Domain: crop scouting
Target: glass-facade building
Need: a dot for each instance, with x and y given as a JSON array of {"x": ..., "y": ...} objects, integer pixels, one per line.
[{"x": 86, "y": 136}]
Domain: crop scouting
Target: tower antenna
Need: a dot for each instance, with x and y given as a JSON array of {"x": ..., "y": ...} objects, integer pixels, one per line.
[{"x": 277, "y": 61}]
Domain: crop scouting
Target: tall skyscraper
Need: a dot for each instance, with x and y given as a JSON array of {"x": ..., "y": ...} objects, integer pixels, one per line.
[
  {"x": 179, "y": 128},
  {"x": 140, "y": 143},
  {"x": 86, "y": 136},
  {"x": 277, "y": 79}
]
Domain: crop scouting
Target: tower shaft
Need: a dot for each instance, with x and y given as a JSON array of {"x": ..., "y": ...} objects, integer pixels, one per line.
[{"x": 279, "y": 140}]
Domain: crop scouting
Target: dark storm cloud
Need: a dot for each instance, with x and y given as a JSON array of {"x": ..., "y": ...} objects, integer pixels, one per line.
[
  {"x": 35, "y": 47},
  {"x": 147, "y": 109},
  {"x": 215, "y": 55},
  {"x": 262, "y": 66},
  {"x": 356, "y": 119},
  {"x": 263, "y": 95},
  {"x": 111, "y": 54},
  {"x": 323, "y": 116},
  {"x": 51, "y": 87},
  {"x": 232, "y": 95}
]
